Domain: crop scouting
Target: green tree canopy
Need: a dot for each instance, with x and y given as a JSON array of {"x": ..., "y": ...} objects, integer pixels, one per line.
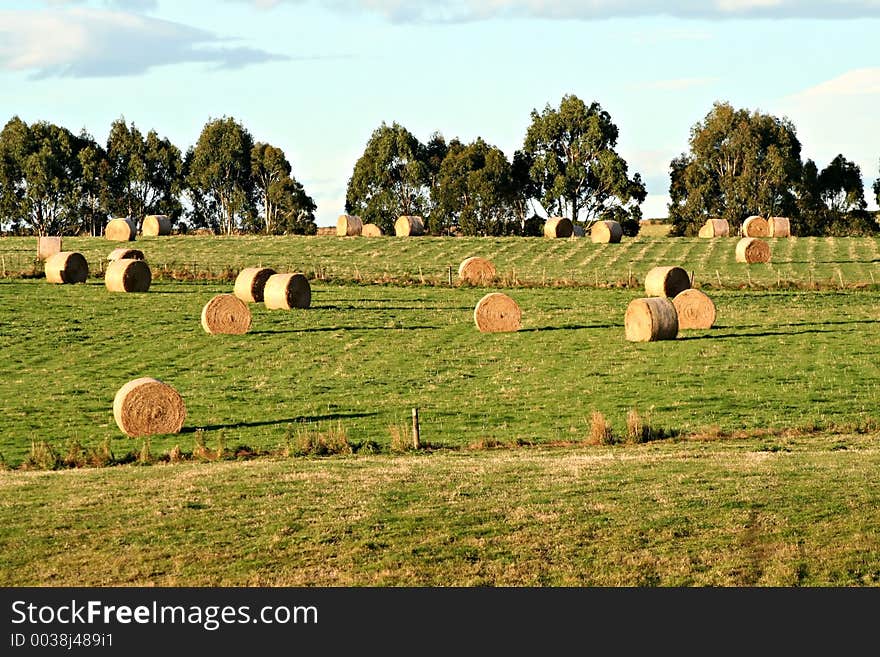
[
  {"x": 93, "y": 189},
  {"x": 574, "y": 167},
  {"x": 145, "y": 173},
  {"x": 390, "y": 179},
  {"x": 739, "y": 164},
  {"x": 282, "y": 203},
  {"x": 218, "y": 176}
]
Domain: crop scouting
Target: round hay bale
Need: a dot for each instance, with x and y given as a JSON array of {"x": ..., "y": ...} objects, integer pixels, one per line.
[
  {"x": 755, "y": 226},
  {"x": 606, "y": 232},
  {"x": 651, "y": 319},
  {"x": 67, "y": 267},
  {"x": 558, "y": 227},
  {"x": 250, "y": 283},
  {"x": 409, "y": 226},
  {"x": 371, "y": 230},
  {"x": 155, "y": 225},
  {"x": 286, "y": 291},
  {"x": 123, "y": 253},
  {"x": 695, "y": 309},
  {"x": 128, "y": 275},
  {"x": 146, "y": 407},
  {"x": 476, "y": 270},
  {"x": 120, "y": 230},
  {"x": 497, "y": 313},
  {"x": 227, "y": 314},
  {"x": 779, "y": 227},
  {"x": 348, "y": 225},
  {"x": 48, "y": 246},
  {"x": 715, "y": 228},
  {"x": 666, "y": 281},
  {"x": 752, "y": 250}
]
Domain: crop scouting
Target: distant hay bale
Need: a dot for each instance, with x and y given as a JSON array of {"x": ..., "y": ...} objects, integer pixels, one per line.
[
  {"x": 779, "y": 227},
  {"x": 497, "y": 313},
  {"x": 250, "y": 283},
  {"x": 695, "y": 309},
  {"x": 226, "y": 314},
  {"x": 120, "y": 230},
  {"x": 371, "y": 230},
  {"x": 147, "y": 406},
  {"x": 476, "y": 270},
  {"x": 651, "y": 319},
  {"x": 155, "y": 225},
  {"x": 67, "y": 267},
  {"x": 47, "y": 247},
  {"x": 606, "y": 232},
  {"x": 715, "y": 228},
  {"x": 348, "y": 225},
  {"x": 557, "y": 227},
  {"x": 752, "y": 250},
  {"x": 123, "y": 253},
  {"x": 286, "y": 291},
  {"x": 409, "y": 225},
  {"x": 755, "y": 226},
  {"x": 666, "y": 281},
  {"x": 128, "y": 275}
]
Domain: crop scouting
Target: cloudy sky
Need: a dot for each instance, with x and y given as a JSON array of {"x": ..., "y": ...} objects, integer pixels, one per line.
[{"x": 316, "y": 77}]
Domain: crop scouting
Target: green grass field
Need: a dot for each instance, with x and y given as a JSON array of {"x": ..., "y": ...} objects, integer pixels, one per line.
[{"x": 764, "y": 474}]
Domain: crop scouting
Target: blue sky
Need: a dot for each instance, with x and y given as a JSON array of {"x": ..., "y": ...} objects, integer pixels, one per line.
[{"x": 316, "y": 77}]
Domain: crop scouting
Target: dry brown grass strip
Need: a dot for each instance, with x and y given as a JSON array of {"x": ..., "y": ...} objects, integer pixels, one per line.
[
  {"x": 651, "y": 319},
  {"x": 128, "y": 275},
  {"x": 147, "y": 406},
  {"x": 226, "y": 314},
  {"x": 409, "y": 225},
  {"x": 477, "y": 270},
  {"x": 497, "y": 313},
  {"x": 156, "y": 225},
  {"x": 606, "y": 232},
  {"x": 558, "y": 227},
  {"x": 286, "y": 291},
  {"x": 67, "y": 267},
  {"x": 250, "y": 283},
  {"x": 751, "y": 250},
  {"x": 666, "y": 281},
  {"x": 120, "y": 230},
  {"x": 348, "y": 225},
  {"x": 695, "y": 309}
]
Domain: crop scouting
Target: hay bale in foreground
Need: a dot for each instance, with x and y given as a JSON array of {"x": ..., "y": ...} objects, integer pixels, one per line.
[
  {"x": 695, "y": 309},
  {"x": 155, "y": 225},
  {"x": 556, "y": 227},
  {"x": 752, "y": 250},
  {"x": 371, "y": 230},
  {"x": 779, "y": 227},
  {"x": 250, "y": 283},
  {"x": 286, "y": 291},
  {"x": 120, "y": 230},
  {"x": 409, "y": 225},
  {"x": 128, "y": 275},
  {"x": 715, "y": 228},
  {"x": 348, "y": 225},
  {"x": 666, "y": 281},
  {"x": 146, "y": 407},
  {"x": 651, "y": 319},
  {"x": 606, "y": 232},
  {"x": 497, "y": 313},
  {"x": 226, "y": 314},
  {"x": 476, "y": 270},
  {"x": 755, "y": 226},
  {"x": 123, "y": 253},
  {"x": 47, "y": 247},
  {"x": 67, "y": 267}
]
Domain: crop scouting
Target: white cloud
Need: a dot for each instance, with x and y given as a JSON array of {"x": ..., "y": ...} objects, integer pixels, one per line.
[
  {"x": 474, "y": 10},
  {"x": 86, "y": 42},
  {"x": 858, "y": 82}
]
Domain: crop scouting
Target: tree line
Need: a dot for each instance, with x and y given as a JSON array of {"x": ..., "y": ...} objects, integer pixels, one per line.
[{"x": 739, "y": 163}]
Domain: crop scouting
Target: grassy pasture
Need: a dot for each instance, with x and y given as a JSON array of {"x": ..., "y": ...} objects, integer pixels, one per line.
[
  {"x": 362, "y": 356},
  {"x": 796, "y": 262},
  {"x": 783, "y": 511}
]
